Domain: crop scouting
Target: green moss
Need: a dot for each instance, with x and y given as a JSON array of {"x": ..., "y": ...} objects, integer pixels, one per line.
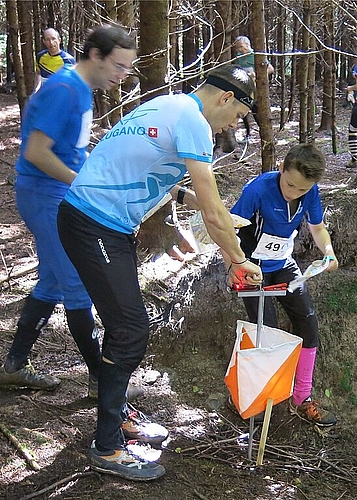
[
  {"x": 346, "y": 383},
  {"x": 343, "y": 298}
]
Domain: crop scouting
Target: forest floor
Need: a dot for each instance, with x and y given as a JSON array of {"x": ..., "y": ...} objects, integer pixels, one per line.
[{"x": 44, "y": 437}]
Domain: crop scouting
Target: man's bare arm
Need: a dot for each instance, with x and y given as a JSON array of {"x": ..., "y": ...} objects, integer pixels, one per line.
[{"x": 38, "y": 151}]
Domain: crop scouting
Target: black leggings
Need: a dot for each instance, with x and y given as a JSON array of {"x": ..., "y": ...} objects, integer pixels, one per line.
[{"x": 107, "y": 264}]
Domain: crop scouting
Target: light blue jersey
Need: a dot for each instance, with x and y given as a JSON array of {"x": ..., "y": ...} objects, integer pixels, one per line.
[{"x": 140, "y": 159}]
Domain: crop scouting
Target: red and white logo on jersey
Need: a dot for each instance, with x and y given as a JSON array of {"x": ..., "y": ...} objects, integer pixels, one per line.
[{"x": 153, "y": 132}]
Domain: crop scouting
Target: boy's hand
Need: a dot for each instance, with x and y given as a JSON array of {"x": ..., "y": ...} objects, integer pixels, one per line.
[{"x": 333, "y": 262}]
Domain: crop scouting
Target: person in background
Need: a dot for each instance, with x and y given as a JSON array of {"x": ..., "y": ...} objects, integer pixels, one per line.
[
  {"x": 352, "y": 129},
  {"x": 276, "y": 203},
  {"x": 245, "y": 59},
  {"x": 141, "y": 159},
  {"x": 48, "y": 62},
  {"x": 51, "y": 59}
]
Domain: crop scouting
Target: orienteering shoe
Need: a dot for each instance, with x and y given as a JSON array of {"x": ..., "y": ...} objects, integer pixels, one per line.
[
  {"x": 351, "y": 164},
  {"x": 27, "y": 377},
  {"x": 124, "y": 464},
  {"x": 312, "y": 411},
  {"x": 137, "y": 426}
]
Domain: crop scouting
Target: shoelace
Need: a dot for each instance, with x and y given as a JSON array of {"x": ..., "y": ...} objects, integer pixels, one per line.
[
  {"x": 312, "y": 410},
  {"x": 29, "y": 369},
  {"x": 136, "y": 415}
]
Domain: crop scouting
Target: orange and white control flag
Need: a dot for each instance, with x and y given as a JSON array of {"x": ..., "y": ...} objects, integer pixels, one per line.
[{"x": 256, "y": 374}]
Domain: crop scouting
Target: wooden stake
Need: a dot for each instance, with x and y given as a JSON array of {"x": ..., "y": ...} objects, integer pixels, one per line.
[{"x": 265, "y": 428}]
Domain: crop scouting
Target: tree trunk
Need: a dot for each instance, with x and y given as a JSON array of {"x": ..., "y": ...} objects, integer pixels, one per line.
[
  {"x": 223, "y": 29},
  {"x": 114, "y": 93},
  {"x": 55, "y": 15},
  {"x": 328, "y": 90},
  {"x": 310, "y": 117},
  {"x": 263, "y": 100},
  {"x": 9, "y": 61},
  {"x": 281, "y": 63},
  {"x": 189, "y": 50},
  {"x": 303, "y": 76},
  {"x": 294, "y": 60},
  {"x": 126, "y": 17},
  {"x": 226, "y": 141},
  {"x": 333, "y": 82},
  {"x": 174, "y": 29},
  {"x": 26, "y": 36},
  {"x": 12, "y": 19},
  {"x": 154, "y": 34},
  {"x": 36, "y": 26},
  {"x": 74, "y": 19}
]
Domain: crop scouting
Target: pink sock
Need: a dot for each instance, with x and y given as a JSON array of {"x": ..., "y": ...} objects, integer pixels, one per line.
[{"x": 303, "y": 375}]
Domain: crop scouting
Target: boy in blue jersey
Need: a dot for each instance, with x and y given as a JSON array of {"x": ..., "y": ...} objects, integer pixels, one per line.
[
  {"x": 127, "y": 174},
  {"x": 51, "y": 59},
  {"x": 276, "y": 203}
]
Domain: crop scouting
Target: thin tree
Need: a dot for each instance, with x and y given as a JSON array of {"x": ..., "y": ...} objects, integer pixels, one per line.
[
  {"x": 264, "y": 111},
  {"x": 13, "y": 24},
  {"x": 154, "y": 57},
  {"x": 328, "y": 65},
  {"x": 281, "y": 62},
  {"x": 294, "y": 60},
  {"x": 303, "y": 74},
  {"x": 331, "y": 17},
  {"x": 311, "y": 76},
  {"x": 224, "y": 52},
  {"x": 24, "y": 8}
]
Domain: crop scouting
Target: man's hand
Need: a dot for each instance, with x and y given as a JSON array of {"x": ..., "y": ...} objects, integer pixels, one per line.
[
  {"x": 351, "y": 97},
  {"x": 183, "y": 246},
  {"x": 246, "y": 273}
]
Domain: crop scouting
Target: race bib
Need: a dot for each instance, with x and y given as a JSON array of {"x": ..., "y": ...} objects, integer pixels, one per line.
[{"x": 271, "y": 247}]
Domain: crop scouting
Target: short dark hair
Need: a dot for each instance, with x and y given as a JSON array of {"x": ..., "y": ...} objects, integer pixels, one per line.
[
  {"x": 236, "y": 78},
  {"x": 105, "y": 38},
  {"x": 307, "y": 160}
]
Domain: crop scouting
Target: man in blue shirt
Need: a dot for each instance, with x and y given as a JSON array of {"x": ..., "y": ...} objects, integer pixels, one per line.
[
  {"x": 55, "y": 135},
  {"x": 276, "y": 203}
]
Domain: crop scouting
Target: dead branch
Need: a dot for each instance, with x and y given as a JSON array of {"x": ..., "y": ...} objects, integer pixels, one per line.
[
  {"x": 19, "y": 274},
  {"x": 68, "y": 479},
  {"x": 225, "y": 447},
  {"x": 25, "y": 454}
]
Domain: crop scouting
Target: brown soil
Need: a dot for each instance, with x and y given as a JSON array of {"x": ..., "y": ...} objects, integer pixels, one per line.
[{"x": 193, "y": 320}]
